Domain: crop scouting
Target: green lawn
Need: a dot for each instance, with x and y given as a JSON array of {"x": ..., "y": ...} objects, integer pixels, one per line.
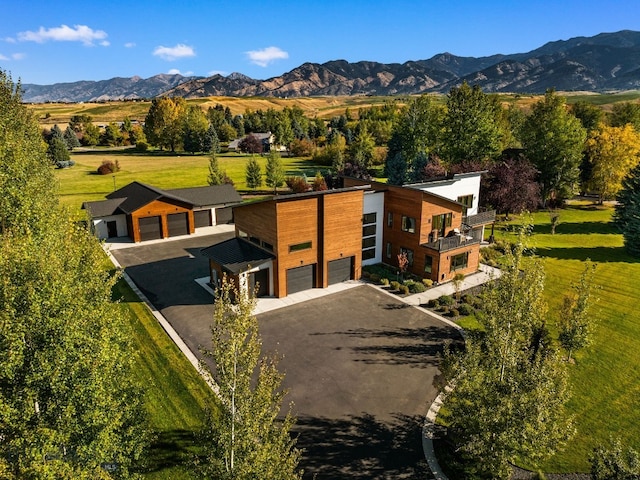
[
  {"x": 81, "y": 183},
  {"x": 176, "y": 395},
  {"x": 605, "y": 377}
]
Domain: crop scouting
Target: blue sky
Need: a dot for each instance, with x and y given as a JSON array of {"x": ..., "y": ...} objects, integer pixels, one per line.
[{"x": 47, "y": 42}]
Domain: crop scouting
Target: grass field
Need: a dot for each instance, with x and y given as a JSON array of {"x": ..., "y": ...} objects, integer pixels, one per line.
[
  {"x": 176, "y": 395},
  {"x": 163, "y": 170},
  {"x": 605, "y": 377}
]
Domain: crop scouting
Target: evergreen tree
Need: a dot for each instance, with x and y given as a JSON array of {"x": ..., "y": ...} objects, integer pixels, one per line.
[
  {"x": 216, "y": 176},
  {"x": 253, "y": 173},
  {"x": 56, "y": 133},
  {"x": 246, "y": 441},
  {"x": 628, "y": 199},
  {"x": 71, "y": 139},
  {"x": 57, "y": 151},
  {"x": 418, "y": 166},
  {"x": 274, "y": 171},
  {"x": 211, "y": 143},
  {"x": 396, "y": 169},
  {"x": 510, "y": 385}
]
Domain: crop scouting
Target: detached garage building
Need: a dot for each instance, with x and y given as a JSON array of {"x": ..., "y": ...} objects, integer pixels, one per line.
[{"x": 142, "y": 212}]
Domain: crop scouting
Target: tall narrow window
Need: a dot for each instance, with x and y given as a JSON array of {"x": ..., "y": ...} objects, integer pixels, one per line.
[
  {"x": 467, "y": 201},
  {"x": 389, "y": 219},
  {"x": 428, "y": 263},
  {"x": 389, "y": 248}
]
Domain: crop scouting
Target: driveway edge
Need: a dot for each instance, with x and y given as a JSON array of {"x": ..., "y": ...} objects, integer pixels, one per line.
[{"x": 166, "y": 326}]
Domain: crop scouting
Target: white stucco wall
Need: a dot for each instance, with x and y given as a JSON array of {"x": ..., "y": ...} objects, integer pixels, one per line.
[
  {"x": 374, "y": 202},
  {"x": 100, "y": 226},
  {"x": 458, "y": 186}
]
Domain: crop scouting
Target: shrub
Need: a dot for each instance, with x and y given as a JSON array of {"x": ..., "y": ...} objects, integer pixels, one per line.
[
  {"x": 384, "y": 281},
  {"x": 465, "y": 309},
  {"x": 446, "y": 300},
  {"x": 108, "y": 167},
  {"x": 454, "y": 312},
  {"x": 297, "y": 184},
  {"x": 366, "y": 273},
  {"x": 395, "y": 285},
  {"x": 443, "y": 310},
  {"x": 415, "y": 287},
  {"x": 403, "y": 289},
  {"x": 427, "y": 282},
  {"x": 433, "y": 303},
  {"x": 467, "y": 299},
  {"x": 142, "y": 146},
  {"x": 302, "y": 147},
  {"x": 374, "y": 277}
]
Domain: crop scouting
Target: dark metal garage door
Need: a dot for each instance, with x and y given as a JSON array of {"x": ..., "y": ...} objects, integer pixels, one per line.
[
  {"x": 178, "y": 224},
  {"x": 202, "y": 218},
  {"x": 224, "y": 215},
  {"x": 340, "y": 270},
  {"x": 150, "y": 228},
  {"x": 300, "y": 278}
]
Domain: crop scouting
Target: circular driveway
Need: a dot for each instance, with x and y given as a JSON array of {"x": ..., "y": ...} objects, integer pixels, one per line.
[{"x": 360, "y": 365}]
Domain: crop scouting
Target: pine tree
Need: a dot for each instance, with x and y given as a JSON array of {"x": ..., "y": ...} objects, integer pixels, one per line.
[
  {"x": 246, "y": 441},
  {"x": 216, "y": 176},
  {"x": 71, "y": 139},
  {"x": 211, "y": 143},
  {"x": 274, "y": 171},
  {"x": 628, "y": 205},
  {"x": 253, "y": 173},
  {"x": 396, "y": 169}
]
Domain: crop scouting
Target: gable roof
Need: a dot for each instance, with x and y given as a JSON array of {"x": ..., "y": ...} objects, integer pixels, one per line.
[
  {"x": 237, "y": 255},
  {"x": 136, "y": 195}
]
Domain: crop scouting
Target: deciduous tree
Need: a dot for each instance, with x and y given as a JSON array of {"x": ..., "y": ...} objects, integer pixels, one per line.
[
  {"x": 247, "y": 441},
  {"x": 625, "y": 113},
  {"x": 509, "y": 387},
  {"x": 511, "y": 187},
  {"x": 194, "y": 129},
  {"x": 615, "y": 462},
  {"x": 612, "y": 153},
  {"x": 164, "y": 123},
  {"x": 554, "y": 141},
  {"x": 250, "y": 144}
]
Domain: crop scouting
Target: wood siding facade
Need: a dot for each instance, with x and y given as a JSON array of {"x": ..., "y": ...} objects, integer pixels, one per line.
[{"x": 161, "y": 208}]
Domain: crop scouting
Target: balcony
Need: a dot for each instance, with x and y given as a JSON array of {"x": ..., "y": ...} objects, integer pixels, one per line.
[
  {"x": 453, "y": 242},
  {"x": 481, "y": 218}
]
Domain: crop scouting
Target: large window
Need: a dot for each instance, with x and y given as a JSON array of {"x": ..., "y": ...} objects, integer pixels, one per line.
[
  {"x": 409, "y": 253},
  {"x": 369, "y": 236},
  {"x": 458, "y": 262},
  {"x": 440, "y": 222},
  {"x": 408, "y": 224},
  {"x": 428, "y": 263}
]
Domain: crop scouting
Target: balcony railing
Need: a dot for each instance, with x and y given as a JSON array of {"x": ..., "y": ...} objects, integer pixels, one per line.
[
  {"x": 444, "y": 244},
  {"x": 480, "y": 218}
]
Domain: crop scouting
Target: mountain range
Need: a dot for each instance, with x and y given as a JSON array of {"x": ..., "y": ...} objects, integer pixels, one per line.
[{"x": 604, "y": 62}]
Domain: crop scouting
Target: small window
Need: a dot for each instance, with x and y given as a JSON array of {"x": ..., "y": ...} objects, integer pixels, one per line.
[
  {"x": 467, "y": 201},
  {"x": 299, "y": 246},
  {"x": 408, "y": 224},
  {"x": 267, "y": 246},
  {"x": 369, "y": 218},
  {"x": 389, "y": 219},
  {"x": 368, "y": 254},
  {"x": 458, "y": 262},
  {"x": 409, "y": 254},
  {"x": 439, "y": 222},
  {"x": 369, "y": 230},
  {"x": 428, "y": 263},
  {"x": 388, "y": 250},
  {"x": 255, "y": 240},
  {"x": 369, "y": 242}
]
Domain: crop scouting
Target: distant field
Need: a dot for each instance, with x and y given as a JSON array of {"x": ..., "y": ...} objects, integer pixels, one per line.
[
  {"x": 323, "y": 107},
  {"x": 164, "y": 170}
]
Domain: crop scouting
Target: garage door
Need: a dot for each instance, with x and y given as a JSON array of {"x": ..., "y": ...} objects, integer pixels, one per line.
[
  {"x": 300, "y": 278},
  {"x": 202, "y": 218},
  {"x": 224, "y": 215},
  {"x": 340, "y": 270},
  {"x": 150, "y": 228},
  {"x": 178, "y": 224}
]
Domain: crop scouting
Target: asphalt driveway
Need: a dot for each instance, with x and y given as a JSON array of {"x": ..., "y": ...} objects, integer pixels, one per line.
[{"x": 360, "y": 365}]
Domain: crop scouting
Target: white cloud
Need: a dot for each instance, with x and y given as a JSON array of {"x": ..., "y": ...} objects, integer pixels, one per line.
[
  {"x": 175, "y": 71},
  {"x": 18, "y": 56},
  {"x": 216, "y": 72},
  {"x": 129, "y": 45},
  {"x": 3, "y": 58},
  {"x": 64, "y": 33},
  {"x": 105, "y": 43},
  {"x": 9, "y": 40},
  {"x": 266, "y": 56},
  {"x": 173, "y": 53}
]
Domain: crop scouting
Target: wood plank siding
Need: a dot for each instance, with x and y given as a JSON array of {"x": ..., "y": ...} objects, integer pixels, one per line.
[{"x": 160, "y": 208}]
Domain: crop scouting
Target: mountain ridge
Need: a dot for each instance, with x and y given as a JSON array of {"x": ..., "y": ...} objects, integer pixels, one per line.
[{"x": 607, "y": 61}]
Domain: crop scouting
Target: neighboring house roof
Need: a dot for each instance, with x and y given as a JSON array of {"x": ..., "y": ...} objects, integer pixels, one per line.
[
  {"x": 237, "y": 255},
  {"x": 208, "y": 196},
  {"x": 103, "y": 208},
  {"x": 136, "y": 195}
]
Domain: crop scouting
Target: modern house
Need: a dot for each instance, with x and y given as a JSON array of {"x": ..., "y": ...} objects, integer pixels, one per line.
[
  {"x": 291, "y": 243},
  {"x": 143, "y": 212}
]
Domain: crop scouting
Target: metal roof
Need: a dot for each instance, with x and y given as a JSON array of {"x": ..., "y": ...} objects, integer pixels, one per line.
[{"x": 237, "y": 255}]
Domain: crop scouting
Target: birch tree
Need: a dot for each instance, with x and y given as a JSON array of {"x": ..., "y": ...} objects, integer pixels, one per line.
[{"x": 248, "y": 441}]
